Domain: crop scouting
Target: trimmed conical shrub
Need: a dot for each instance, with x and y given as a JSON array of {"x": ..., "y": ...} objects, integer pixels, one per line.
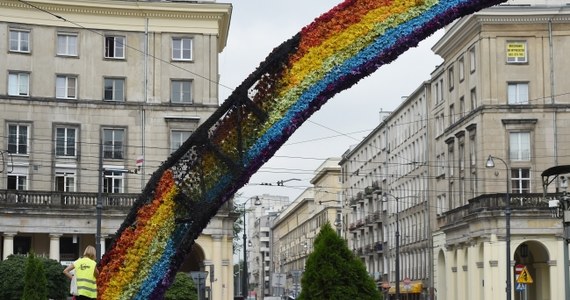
[{"x": 333, "y": 272}]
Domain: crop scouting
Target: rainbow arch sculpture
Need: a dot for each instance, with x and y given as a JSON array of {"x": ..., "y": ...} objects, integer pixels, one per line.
[{"x": 331, "y": 54}]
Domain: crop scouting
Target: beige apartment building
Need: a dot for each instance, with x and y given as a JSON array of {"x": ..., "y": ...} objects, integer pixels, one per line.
[
  {"x": 385, "y": 186},
  {"x": 295, "y": 227},
  {"x": 421, "y": 175},
  {"x": 94, "y": 95},
  {"x": 502, "y": 91}
]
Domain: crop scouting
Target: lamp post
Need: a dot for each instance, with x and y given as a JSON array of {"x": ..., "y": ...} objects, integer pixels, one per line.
[
  {"x": 99, "y": 206},
  {"x": 385, "y": 196},
  {"x": 491, "y": 164},
  {"x": 245, "y": 289},
  {"x": 397, "y": 243}
]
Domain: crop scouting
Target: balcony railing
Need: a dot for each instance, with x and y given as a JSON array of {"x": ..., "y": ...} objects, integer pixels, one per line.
[
  {"x": 379, "y": 247},
  {"x": 64, "y": 199},
  {"x": 496, "y": 203},
  {"x": 73, "y": 200}
]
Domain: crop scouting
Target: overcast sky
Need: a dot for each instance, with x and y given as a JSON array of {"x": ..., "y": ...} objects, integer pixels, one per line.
[{"x": 257, "y": 26}]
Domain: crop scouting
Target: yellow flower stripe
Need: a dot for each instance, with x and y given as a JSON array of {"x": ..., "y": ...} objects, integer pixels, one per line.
[{"x": 151, "y": 238}]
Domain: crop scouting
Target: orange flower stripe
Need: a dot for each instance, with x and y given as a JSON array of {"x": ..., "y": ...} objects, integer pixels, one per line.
[{"x": 155, "y": 222}]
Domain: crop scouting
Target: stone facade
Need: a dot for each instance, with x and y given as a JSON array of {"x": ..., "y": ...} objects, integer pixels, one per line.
[
  {"x": 95, "y": 95},
  {"x": 421, "y": 174}
]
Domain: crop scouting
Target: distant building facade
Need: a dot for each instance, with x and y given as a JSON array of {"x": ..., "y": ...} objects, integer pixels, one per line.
[
  {"x": 421, "y": 174},
  {"x": 385, "y": 190},
  {"x": 293, "y": 229},
  {"x": 259, "y": 219},
  {"x": 502, "y": 91},
  {"x": 102, "y": 90}
]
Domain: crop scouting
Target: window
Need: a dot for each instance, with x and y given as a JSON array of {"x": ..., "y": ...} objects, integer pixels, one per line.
[
  {"x": 451, "y": 159},
  {"x": 451, "y": 78},
  {"x": 22, "y": 244},
  {"x": 65, "y": 141},
  {"x": 115, "y": 47},
  {"x": 520, "y": 180},
  {"x": 461, "y": 154},
  {"x": 472, "y": 60},
  {"x": 113, "y": 143},
  {"x": 113, "y": 182},
  {"x": 473, "y": 99},
  {"x": 66, "y": 87},
  {"x": 440, "y": 124},
  {"x": 461, "y": 107},
  {"x": 472, "y": 150},
  {"x": 516, "y": 52},
  {"x": 461, "y": 64},
  {"x": 177, "y": 138},
  {"x": 19, "y": 40},
  {"x": 517, "y": 93},
  {"x": 438, "y": 91},
  {"x": 64, "y": 182},
  {"x": 452, "y": 116},
  {"x": 114, "y": 89},
  {"x": 181, "y": 91},
  {"x": 17, "y": 182},
  {"x": 182, "y": 49},
  {"x": 18, "y": 138},
  {"x": 18, "y": 84},
  {"x": 519, "y": 143},
  {"x": 67, "y": 44}
]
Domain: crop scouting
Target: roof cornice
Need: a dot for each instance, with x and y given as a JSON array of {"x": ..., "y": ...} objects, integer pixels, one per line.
[
  {"x": 468, "y": 27},
  {"x": 208, "y": 18}
]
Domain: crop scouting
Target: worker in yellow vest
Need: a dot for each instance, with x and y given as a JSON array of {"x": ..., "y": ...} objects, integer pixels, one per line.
[{"x": 86, "y": 275}]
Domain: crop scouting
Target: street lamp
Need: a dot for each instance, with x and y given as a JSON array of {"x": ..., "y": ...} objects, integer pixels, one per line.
[
  {"x": 99, "y": 205},
  {"x": 244, "y": 283},
  {"x": 385, "y": 198},
  {"x": 397, "y": 243},
  {"x": 491, "y": 164}
]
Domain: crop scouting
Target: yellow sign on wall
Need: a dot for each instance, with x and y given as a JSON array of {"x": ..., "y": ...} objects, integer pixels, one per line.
[{"x": 516, "y": 49}]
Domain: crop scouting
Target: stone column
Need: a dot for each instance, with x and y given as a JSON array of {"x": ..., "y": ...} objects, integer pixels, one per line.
[
  {"x": 54, "y": 246},
  {"x": 216, "y": 285},
  {"x": 8, "y": 248}
]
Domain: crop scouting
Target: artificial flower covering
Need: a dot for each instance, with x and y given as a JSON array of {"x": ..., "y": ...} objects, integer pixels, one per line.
[{"x": 329, "y": 55}]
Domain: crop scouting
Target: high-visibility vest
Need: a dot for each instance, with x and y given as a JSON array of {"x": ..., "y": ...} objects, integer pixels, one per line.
[{"x": 86, "y": 282}]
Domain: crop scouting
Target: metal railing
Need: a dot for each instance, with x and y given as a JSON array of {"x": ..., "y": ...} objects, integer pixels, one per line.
[{"x": 496, "y": 203}]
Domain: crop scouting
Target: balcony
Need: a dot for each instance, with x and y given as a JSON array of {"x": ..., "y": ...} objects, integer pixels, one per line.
[
  {"x": 376, "y": 217},
  {"x": 493, "y": 205},
  {"x": 38, "y": 200},
  {"x": 353, "y": 201},
  {"x": 352, "y": 226},
  {"x": 370, "y": 220},
  {"x": 379, "y": 247},
  {"x": 376, "y": 187},
  {"x": 75, "y": 200},
  {"x": 360, "y": 196}
]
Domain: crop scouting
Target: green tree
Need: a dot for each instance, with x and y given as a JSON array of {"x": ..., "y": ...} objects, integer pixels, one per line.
[
  {"x": 35, "y": 281},
  {"x": 333, "y": 272},
  {"x": 182, "y": 288},
  {"x": 12, "y": 273},
  {"x": 57, "y": 282}
]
